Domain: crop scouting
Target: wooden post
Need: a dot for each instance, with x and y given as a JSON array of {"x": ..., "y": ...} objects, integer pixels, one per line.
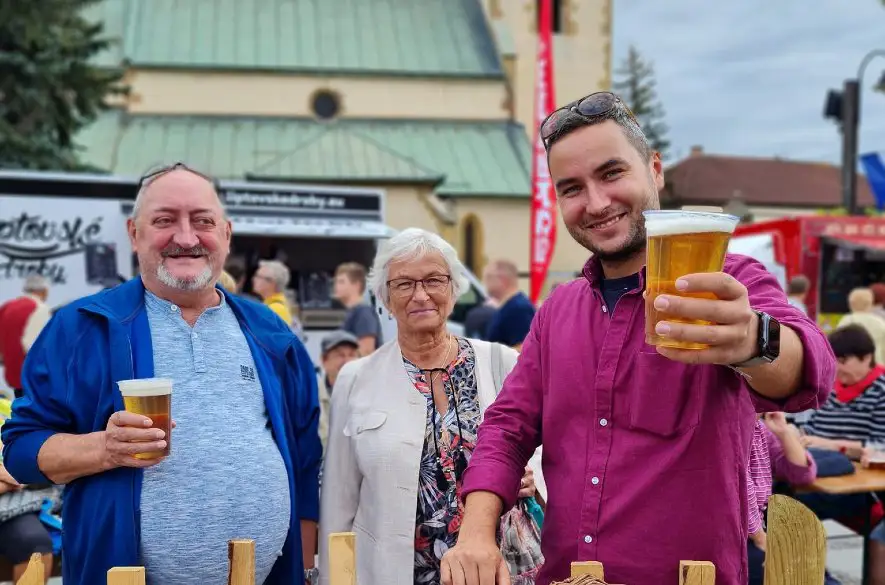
[
  {"x": 34, "y": 574},
  {"x": 342, "y": 558},
  {"x": 796, "y": 544},
  {"x": 241, "y": 559},
  {"x": 697, "y": 573},
  {"x": 592, "y": 568},
  {"x": 126, "y": 576}
]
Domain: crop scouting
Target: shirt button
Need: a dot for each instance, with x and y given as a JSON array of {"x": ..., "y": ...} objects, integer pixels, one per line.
[
  {"x": 603, "y": 422},
  {"x": 604, "y": 309},
  {"x": 173, "y": 308},
  {"x": 595, "y": 481},
  {"x": 588, "y": 539}
]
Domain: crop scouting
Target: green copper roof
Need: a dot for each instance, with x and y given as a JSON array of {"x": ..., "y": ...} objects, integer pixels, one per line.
[
  {"x": 460, "y": 158},
  {"x": 398, "y": 37}
]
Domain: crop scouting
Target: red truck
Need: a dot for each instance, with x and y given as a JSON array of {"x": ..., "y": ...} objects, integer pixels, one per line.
[{"x": 836, "y": 253}]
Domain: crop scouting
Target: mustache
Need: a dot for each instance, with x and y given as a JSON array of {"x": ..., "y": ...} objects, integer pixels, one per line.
[{"x": 179, "y": 251}]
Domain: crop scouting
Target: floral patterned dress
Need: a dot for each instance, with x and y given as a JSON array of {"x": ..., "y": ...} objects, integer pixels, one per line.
[{"x": 438, "y": 517}]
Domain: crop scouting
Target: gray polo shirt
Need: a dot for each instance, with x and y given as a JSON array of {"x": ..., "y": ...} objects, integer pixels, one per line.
[{"x": 225, "y": 478}]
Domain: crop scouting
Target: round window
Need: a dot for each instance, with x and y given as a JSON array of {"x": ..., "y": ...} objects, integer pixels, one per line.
[{"x": 325, "y": 104}]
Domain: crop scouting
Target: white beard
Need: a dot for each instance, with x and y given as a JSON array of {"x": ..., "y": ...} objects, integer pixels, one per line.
[{"x": 199, "y": 282}]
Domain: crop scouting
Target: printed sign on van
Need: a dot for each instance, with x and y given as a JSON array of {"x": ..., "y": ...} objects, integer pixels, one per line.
[{"x": 76, "y": 244}]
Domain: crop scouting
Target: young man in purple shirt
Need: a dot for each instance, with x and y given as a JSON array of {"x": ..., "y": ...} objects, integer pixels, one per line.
[{"x": 645, "y": 448}]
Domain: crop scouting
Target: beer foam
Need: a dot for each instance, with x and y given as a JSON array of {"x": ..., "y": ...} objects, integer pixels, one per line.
[
  {"x": 671, "y": 223},
  {"x": 146, "y": 387}
]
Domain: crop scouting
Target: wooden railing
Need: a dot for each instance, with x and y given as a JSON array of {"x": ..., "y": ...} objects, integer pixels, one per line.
[{"x": 796, "y": 556}]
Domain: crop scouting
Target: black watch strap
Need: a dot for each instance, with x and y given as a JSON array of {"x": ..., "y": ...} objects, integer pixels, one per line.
[{"x": 767, "y": 342}]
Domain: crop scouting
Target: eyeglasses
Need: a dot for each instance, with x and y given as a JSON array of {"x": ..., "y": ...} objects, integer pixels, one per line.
[
  {"x": 592, "y": 106},
  {"x": 155, "y": 174},
  {"x": 405, "y": 287}
]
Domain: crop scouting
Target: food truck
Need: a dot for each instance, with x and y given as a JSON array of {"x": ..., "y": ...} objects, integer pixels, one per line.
[{"x": 836, "y": 253}]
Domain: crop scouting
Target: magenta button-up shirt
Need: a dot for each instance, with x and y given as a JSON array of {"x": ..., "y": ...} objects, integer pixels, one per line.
[{"x": 645, "y": 459}]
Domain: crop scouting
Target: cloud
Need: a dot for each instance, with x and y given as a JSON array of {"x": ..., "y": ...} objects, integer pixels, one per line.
[{"x": 750, "y": 78}]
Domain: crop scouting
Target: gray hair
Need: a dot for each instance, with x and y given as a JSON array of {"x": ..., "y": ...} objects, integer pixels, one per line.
[
  {"x": 619, "y": 114},
  {"x": 278, "y": 272},
  {"x": 409, "y": 244},
  {"x": 35, "y": 283},
  {"x": 139, "y": 197}
]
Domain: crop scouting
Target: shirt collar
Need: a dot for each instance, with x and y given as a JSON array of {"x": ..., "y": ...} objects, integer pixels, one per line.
[
  {"x": 153, "y": 301},
  {"x": 593, "y": 273},
  {"x": 275, "y": 298}
]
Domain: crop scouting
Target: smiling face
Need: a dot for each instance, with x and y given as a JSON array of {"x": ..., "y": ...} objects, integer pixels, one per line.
[
  {"x": 417, "y": 307},
  {"x": 180, "y": 234},
  {"x": 603, "y": 184}
]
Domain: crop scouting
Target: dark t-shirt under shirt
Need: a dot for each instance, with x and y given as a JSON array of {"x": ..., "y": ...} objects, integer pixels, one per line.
[
  {"x": 362, "y": 321},
  {"x": 614, "y": 288}
]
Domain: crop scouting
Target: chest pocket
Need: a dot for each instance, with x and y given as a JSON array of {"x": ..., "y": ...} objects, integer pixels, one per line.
[
  {"x": 371, "y": 441},
  {"x": 664, "y": 400}
]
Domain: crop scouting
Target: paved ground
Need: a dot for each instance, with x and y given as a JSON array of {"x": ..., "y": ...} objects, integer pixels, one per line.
[{"x": 844, "y": 554}]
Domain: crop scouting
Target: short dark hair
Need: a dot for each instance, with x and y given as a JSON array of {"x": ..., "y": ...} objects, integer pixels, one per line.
[
  {"x": 798, "y": 285},
  {"x": 852, "y": 341},
  {"x": 237, "y": 271},
  {"x": 571, "y": 121}
]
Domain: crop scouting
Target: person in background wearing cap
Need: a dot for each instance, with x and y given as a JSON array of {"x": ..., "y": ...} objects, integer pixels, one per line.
[
  {"x": 338, "y": 348},
  {"x": 21, "y": 321}
]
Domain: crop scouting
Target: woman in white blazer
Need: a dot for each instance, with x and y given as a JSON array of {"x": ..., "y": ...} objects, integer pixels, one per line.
[{"x": 403, "y": 421}]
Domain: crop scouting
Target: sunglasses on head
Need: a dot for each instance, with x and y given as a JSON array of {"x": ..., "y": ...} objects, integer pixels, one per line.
[
  {"x": 592, "y": 106},
  {"x": 155, "y": 174}
]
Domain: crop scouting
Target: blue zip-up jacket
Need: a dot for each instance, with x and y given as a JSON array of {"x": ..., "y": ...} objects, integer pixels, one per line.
[{"x": 69, "y": 379}]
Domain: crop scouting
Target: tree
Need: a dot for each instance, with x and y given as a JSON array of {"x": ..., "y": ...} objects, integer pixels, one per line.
[
  {"x": 49, "y": 88},
  {"x": 637, "y": 87}
]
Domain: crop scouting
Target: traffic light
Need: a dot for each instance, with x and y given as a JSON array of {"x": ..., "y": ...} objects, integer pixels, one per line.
[{"x": 843, "y": 107}]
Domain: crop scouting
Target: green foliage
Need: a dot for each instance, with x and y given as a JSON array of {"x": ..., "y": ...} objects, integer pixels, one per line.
[
  {"x": 49, "y": 89},
  {"x": 636, "y": 85}
]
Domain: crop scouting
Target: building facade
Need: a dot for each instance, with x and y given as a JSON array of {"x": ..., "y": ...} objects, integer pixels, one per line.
[{"x": 429, "y": 100}]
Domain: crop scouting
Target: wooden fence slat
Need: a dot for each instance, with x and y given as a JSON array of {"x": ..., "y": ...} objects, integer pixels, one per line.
[
  {"x": 592, "y": 568},
  {"x": 34, "y": 574},
  {"x": 126, "y": 576},
  {"x": 342, "y": 558},
  {"x": 796, "y": 543},
  {"x": 241, "y": 559},
  {"x": 697, "y": 573}
]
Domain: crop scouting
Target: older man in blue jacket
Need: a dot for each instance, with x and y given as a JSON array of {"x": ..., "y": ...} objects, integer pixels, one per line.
[{"x": 246, "y": 455}]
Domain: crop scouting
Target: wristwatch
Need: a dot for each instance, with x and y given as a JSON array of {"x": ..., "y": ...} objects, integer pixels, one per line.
[
  {"x": 768, "y": 342},
  {"x": 312, "y": 576}
]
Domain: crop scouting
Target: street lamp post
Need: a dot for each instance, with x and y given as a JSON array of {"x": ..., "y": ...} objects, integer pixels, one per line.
[{"x": 845, "y": 108}]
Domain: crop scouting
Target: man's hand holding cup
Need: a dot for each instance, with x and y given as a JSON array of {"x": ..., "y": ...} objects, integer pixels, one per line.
[
  {"x": 720, "y": 300},
  {"x": 140, "y": 435},
  {"x": 128, "y": 434}
]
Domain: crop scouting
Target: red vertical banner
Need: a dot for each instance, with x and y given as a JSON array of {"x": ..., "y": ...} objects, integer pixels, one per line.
[{"x": 543, "y": 216}]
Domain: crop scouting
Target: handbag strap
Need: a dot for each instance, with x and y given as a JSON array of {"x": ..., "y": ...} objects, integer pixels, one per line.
[{"x": 497, "y": 367}]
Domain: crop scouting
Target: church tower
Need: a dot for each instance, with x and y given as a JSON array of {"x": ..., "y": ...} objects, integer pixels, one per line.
[{"x": 581, "y": 49}]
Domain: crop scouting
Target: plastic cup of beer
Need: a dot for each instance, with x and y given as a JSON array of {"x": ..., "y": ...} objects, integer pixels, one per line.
[
  {"x": 681, "y": 243},
  {"x": 151, "y": 397},
  {"x": 876, "y": 455}
]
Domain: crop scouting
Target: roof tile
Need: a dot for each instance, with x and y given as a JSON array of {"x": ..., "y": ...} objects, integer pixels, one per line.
[
  {"x": 417, "y": 37},
  {"x": 463, "y": 158},
  {"x": 709, "y": 179}
]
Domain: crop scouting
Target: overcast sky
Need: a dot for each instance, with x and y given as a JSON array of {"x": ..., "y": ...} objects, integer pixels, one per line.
[{"x": 750, "y": 77}]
